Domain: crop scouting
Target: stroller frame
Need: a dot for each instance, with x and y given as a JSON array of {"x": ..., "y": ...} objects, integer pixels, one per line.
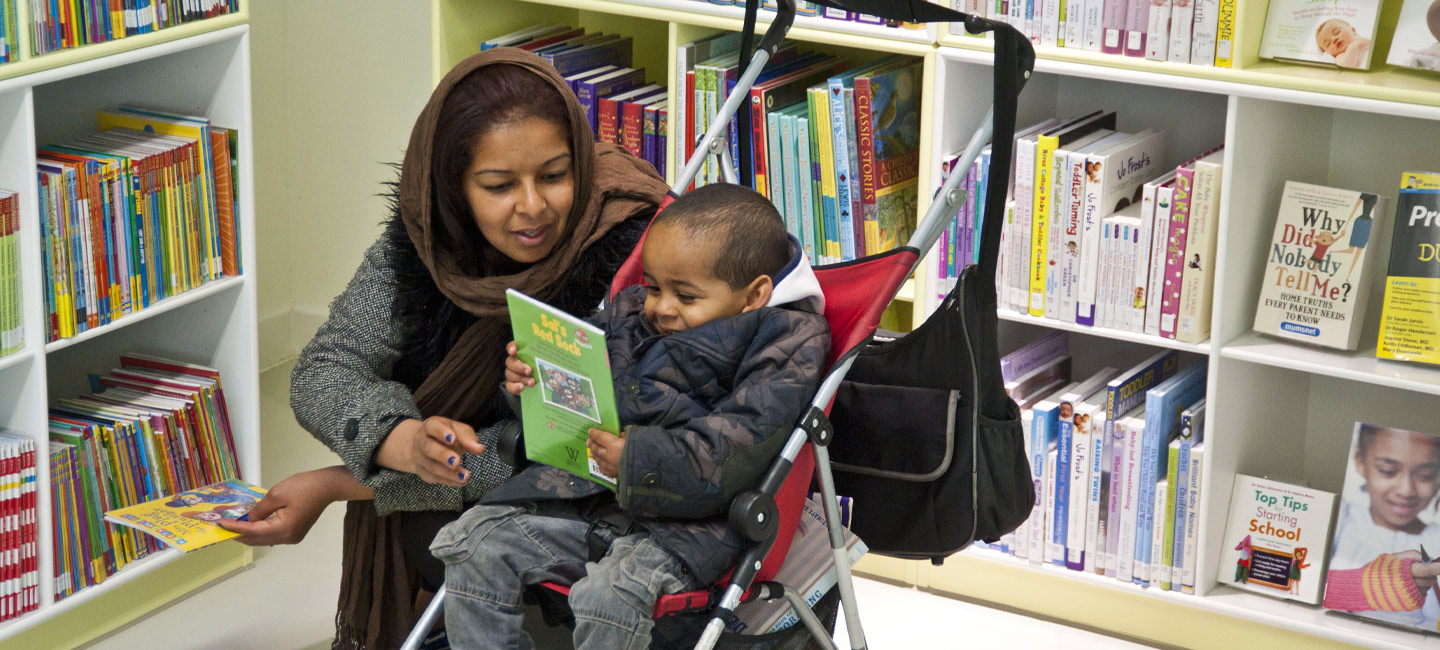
[{"x": 754, "y": 508}]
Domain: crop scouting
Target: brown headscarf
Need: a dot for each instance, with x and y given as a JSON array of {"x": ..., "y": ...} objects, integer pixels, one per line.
[{"x": 377, "y": 591}]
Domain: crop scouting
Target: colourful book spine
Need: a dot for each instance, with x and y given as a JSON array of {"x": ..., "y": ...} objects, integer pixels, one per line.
[
  {"x": 1040, "y": 221},
  {"x": 825, "y": 144},
  {"x": 865, "y": 146},
  {"x": 775, "y": 155},
  {"x": 632, "y": 128},
  {"x": 1175, "y": 252},
  {"x": 1113, "y": 25},
  {"x": 648, "y": 138},
  {"x": 857, "y": 216},
  {"x": 1137, "y": 23},
  {"x": 662, "y": 145},
  {"x": 839, "y": 130},
  {"x": 805, "y": 176},
  {"x": 790, "y": 178},
  {"x": 1225, "y": 34}
]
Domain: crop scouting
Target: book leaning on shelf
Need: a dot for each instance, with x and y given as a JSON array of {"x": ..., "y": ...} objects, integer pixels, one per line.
[
  {"x": 1317, "y": 273},
  {"x": 1339, "y": 33},
  {"x": 1410, "y": 318},
  {"x": 1417, "y": 36},
  {"x": 153, "y": 428},
  {"x": 1277, "y": 539},
  {"x": 141, "y": 211}
]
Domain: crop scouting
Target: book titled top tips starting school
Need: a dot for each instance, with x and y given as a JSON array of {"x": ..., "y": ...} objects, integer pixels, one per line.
[{"x": 573, "y": 391}]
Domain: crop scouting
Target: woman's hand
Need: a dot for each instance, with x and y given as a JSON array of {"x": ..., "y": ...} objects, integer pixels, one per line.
[
  {"x": 606, "y": 448},
  {"x": 517, "y": 373},
  {"x": 288, "y": 510},
  {"x": 431, "y": 449}
]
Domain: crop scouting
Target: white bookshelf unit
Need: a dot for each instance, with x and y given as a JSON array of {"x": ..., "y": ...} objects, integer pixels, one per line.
[
  {"x": 197, "y": 69},
  {"x": 1276, "y": 408}
]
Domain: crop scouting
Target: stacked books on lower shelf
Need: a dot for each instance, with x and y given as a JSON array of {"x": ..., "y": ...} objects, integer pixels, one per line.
[
  {"x": 12, "y": 313},
  {"x": 152, "y": 428},
  {"x": 58, "y": 26},
  {"x": 139, "y": 212},
  {"x": 1116, "y": 460},
  {"x": 1097, "y": 232},
  {"x": 19, "y": 558},
  {"x": 621, "y": 107},
  {"x": 834, "y": 146}
]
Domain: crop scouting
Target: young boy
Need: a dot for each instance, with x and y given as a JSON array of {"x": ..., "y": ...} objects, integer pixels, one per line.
[{"x": 713, "y": 360}]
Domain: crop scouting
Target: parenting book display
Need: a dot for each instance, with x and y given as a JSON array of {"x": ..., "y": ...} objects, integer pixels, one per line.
[
  {"x": 1316, "y": 281},
  {"x": 833, "y": 145},
  {"x": 1417, "y": 36},
  {"x": 1387, "y": 523},
  {"x": 1410, "y": 315},
  {"x": 1339, "y": 33},
  {"x": 621, "y": 107},
  {"x": 1117, "y": 459},
  {"x": 1277, "y": 538},
  {"x": 57, "y": 26},
  {"x": 1097, "y": 232},
  {"x": 153, "y": 428},
  {"x": 573, "y": 391},
  {"x": 139, "y": 212},
  {"x": 12, "y": 316}
]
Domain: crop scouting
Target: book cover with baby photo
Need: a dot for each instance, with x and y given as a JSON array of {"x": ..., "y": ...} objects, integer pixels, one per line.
[
  {"x": 1417, "y": 36},
  {"x": 1317, "y": 278},
  {"x": 1380, "y": 564},
  {"x": 1337, "y": 33},
  {"x": 1276, "y": 538},
  {"x": 186, "y": 521},
  {"x": 573, "y": 390}
]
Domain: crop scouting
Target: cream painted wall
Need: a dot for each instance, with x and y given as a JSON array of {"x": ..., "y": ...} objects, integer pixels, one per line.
[{"x": 332, "y": 105}]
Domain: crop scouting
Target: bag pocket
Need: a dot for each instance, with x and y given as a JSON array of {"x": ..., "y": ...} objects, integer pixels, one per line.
[
  {"x": 896, "y": 432},
  {"x": 1003, "y": 476}
]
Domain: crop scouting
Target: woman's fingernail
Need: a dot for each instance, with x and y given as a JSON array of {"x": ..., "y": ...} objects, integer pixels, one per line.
[
  {"x": 452, "y": 460},
  {"x": 449, "y": 437},
  {"x": 462, "y": 476}
]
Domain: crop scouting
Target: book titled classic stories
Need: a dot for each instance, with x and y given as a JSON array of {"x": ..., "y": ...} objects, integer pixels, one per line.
[
  {"x": 1410, "y": 319},
  {"x": 573, "y": 391},
  {"x": 1277, "y": 538},
  {"x": 1314, "y": 288}
]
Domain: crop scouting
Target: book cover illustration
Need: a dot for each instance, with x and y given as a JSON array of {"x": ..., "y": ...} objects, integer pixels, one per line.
[
  {"x": 1316, "y": 284},
  {"x": 1276, "y": 538},
  {"x": 1380, "y": 565},
  {"x": 1417, "y": 36},
  {"x": 186, "y": 521},
  {"x": 1325, "y": 32},
  {"x": 892, "y": 131},
  {"x": 1410, "y": 319},
  {"x": 573, "y": 391}
]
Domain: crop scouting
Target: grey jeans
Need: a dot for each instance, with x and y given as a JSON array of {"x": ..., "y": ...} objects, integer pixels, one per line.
[{"x": 491, "y": 552}]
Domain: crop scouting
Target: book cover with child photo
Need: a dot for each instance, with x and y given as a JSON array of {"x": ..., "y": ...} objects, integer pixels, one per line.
[
  {"x": 1417, "y": 36},
  {"x": 1338, "y": 33},
  {"x": 1380, "y": 566},
  {"x": 573, "y": 391},
  {"x": 1276, "y": 538},
  {"x": 186, "y": 521}
]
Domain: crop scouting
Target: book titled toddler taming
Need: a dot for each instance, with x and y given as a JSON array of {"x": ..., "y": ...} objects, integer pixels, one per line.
[{"x": 1277, "y": 538}]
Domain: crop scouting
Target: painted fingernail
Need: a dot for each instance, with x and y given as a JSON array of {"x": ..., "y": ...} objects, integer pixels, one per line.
[
  {"x": 449, "y": 437},
  {"x": 462, "y": 476},
  {"x": 452, "y": 460}
]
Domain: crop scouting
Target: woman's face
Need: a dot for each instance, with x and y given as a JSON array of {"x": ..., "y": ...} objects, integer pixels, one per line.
[
  {"x": 1402, "y": 473},
  {"x": 520, "y": 186}
]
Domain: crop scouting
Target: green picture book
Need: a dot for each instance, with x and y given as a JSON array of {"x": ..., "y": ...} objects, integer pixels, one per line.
[{"x": 573, "y": 391}]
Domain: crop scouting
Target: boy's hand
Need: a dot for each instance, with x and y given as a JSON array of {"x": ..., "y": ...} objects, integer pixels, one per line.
[
  {"x": 605, "y": 448},
  {"x": 517, "y": 373}
]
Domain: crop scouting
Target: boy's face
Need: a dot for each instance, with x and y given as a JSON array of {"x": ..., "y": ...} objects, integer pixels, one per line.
[
  {"x": 682, "y": 290},
  {"x": 1335, "y": 36},
  {"x": 1402, "y": 473}
]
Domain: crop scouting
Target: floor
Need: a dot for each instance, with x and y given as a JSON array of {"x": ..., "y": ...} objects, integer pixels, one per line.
[{"x": 287, "y": 600}]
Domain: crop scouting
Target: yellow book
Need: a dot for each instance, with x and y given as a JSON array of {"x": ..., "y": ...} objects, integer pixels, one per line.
[
  {"x": 1040, "y": 220},
  {"x": 186, "y": 521},
  {"x": 1410, "y": 318},
  {"x": 1225, "y": 35}
]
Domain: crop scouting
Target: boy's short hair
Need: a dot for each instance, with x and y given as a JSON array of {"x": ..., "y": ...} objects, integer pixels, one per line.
[{"x": 746, "y": 230}]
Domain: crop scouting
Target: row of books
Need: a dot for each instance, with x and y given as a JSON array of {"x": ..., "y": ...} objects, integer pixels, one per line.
[
  {"x": 154, "y": 427},
  {"x": 1195, "y": 32},
  {"x": 621, "y": 107},
  {"x": 1116, "y": 459},
  {"x": 12, "y": 312},
  {"x": 19, "y": 548},
  {"x": 139, "y": 212},
  {"x": 63, "y": 25},
  {"x": 804, "y": 8},
  {"x": 1099, "y": 233},
  {"x": 9, "y": 32},
  {"x": 834, "y": 146}
]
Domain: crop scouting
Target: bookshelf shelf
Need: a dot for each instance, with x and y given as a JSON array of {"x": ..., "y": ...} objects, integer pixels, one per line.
[
  {"x": 190, "y": 297},
  {"x": 1359, "y": 366},
  {"x": 16, "y": 358},
  {"x": 63, "y": 59},
  {"x": 1105, "y": 332}
]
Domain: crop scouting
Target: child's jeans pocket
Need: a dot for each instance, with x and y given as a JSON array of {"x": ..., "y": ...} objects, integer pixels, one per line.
[{"x": 457, "y": 540}]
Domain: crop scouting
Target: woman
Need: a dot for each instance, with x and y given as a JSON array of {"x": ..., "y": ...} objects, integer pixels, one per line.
[{"x": 502, "y": 187}]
